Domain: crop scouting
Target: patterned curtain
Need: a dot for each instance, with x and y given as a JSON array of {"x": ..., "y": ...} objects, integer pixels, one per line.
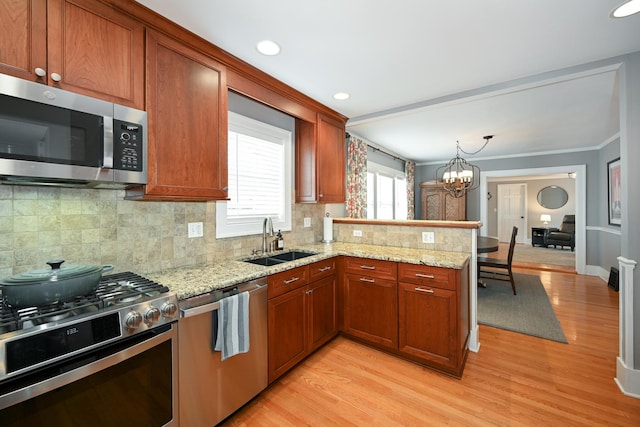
[
  {"x": 356, "y": 178},
  {"x": 410, "y": 174}
]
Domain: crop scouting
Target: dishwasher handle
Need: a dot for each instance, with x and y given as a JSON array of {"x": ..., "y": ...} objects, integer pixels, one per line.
[{"x": 213, "y": 306}]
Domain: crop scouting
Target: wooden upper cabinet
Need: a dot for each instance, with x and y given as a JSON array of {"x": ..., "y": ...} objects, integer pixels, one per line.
[
  {"x": 23, "y": 37},
  {"x": 82, "y": 46},
  {"x": 320, "y": 161},
  {"x": 187, "y": 118}
]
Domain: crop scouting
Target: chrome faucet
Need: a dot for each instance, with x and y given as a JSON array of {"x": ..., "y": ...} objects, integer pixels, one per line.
[{"x": 267, "y": 221}]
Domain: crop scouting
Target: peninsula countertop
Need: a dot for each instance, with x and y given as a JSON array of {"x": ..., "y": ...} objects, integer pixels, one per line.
[{"x": 187, "y": 282}]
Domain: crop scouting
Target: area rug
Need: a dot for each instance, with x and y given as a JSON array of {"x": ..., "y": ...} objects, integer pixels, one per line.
[{"x": 529, "y": 312}]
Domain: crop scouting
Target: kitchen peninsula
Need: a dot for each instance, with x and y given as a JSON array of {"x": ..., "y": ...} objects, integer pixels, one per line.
[{"x": 383, "y": 295}]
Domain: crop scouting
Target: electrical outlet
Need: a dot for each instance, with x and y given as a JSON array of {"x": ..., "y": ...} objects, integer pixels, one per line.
[
  {"x": 357, "y": 233},
  {"x": 195, "y": 229},
  {"x": 428, "y": 237},
  {"x": 307, "y": 222}
]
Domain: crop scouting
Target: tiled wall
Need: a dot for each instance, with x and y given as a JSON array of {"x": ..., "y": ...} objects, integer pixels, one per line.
[
  {"x": 38, "y": 224},
  {"x": 446, "y": 239}
]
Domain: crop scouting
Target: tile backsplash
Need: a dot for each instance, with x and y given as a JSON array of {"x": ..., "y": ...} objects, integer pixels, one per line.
[{"x": 85, "y": 226}]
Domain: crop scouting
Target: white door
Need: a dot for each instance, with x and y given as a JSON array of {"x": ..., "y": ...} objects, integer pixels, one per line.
[{"x": 512, "y": 211}]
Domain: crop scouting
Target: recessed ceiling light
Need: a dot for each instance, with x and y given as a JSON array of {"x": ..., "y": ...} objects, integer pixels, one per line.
[
  {"x": 341, "y": 96},
  {"x": 267, "y": 47},
  {"x": 626, "y": 9}
]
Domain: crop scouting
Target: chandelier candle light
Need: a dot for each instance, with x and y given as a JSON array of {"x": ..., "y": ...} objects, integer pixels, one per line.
[{"x": 460, "y": 176}]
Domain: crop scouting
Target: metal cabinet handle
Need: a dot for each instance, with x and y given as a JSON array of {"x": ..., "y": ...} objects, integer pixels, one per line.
[
  {"x": 309, "y": 292},
  {"x": 429, "y": 291},
  {"x": 323, "y": 269},
  {"x": 56, "y": 77},
  {"x": 426, "y": 276},
  {"x": 293, "y": 279},
  {"x": 40, "y": 72},
  {"x": 368, "y": 267},
  {"x": 364, "y": 279}
]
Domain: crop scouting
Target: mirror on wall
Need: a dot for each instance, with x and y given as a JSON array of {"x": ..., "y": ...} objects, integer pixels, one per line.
[{"x": 552, "y": 197}]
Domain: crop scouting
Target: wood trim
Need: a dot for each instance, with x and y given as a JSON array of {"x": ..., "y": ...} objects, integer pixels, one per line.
[
  {"x": 411, "y": 223},
  {"x": 242, "y": 77}
]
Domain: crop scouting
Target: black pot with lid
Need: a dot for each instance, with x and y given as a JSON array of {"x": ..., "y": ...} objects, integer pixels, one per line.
[{"x": 49, "y": 285}]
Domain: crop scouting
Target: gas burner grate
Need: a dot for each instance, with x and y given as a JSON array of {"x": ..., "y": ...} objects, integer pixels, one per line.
[{"x": 115, "y": 289}]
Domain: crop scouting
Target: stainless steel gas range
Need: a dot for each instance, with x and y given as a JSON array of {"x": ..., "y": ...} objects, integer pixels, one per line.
[{"x": 108, "y": 358}]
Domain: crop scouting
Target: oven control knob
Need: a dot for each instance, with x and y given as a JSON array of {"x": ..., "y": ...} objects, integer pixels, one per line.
[
  {"x": 169, "y": 310},
  {"x": 152, "y": 315},
  {"x": 133, "y": 320}
]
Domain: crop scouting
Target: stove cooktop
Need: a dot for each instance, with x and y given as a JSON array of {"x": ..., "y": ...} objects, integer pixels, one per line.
[{"x": 115, "y": 290}]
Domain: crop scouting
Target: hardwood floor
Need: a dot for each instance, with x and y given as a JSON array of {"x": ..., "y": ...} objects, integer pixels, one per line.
[{"x": 514, "y": 380}]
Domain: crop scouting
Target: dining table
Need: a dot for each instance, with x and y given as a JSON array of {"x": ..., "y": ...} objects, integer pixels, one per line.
[{"x": 486, "y": 244}]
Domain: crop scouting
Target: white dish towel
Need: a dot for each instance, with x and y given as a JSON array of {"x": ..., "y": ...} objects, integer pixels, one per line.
[{"x": 233, "y": 325}]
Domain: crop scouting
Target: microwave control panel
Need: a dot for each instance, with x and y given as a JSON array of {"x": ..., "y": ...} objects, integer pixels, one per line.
[{"x": 127, "y": 146}]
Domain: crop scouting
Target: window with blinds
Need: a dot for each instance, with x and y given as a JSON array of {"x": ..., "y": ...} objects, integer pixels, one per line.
[
  {"x": 386, "y": 192},
  {"x": 259, "y": 168}
]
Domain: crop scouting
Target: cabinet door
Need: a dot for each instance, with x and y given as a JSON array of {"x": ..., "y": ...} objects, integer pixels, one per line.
[
  {"x": 187, "y": 106},
  {"x": 431, "y": 204},
  {"x": 23, "y": 37},
  {"x": 96, "y": 51},
  {"x": 371, "y": 309},
  {"x": 287, "y": 332},
  {"x": 305, "y": 162},
  {"x": 321, "y": 297},
  {"x": 453, "y": 209},
  {"x": 427, "y": 324},
  {"x": 331, "y": 161}
]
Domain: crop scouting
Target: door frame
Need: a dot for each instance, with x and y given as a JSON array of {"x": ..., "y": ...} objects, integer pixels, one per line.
[{"x": 581, "y": 201}]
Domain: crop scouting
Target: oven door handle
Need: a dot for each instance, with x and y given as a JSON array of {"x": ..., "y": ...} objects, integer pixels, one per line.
[
  {"x": 33, "y": 390},
  {"x": 213, "y": 306}
]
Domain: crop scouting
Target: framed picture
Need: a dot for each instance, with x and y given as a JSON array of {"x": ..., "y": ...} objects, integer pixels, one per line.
[{"x": 615, "y": 194}]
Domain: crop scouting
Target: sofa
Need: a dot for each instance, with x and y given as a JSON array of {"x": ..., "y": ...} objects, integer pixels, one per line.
[{"x": 565, "y": 235}]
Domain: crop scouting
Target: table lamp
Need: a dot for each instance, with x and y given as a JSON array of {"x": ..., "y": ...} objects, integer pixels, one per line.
[{"x": 546, "y": 218}]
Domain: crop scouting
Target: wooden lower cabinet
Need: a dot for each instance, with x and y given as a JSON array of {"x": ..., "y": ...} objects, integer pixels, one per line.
[
  {"x": 433, "y": 316},
  {"x": 321, "y": 305},
  {"x": 414, "y": 311},
  {"x": 302, "y": 319},
  {"x": 371, "y": 309},
  {"x": 426, "y": 322},
  {"x": 287, "y": 332}
]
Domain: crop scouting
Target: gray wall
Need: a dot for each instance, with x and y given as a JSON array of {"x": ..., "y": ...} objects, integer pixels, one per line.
[
  {"x": 602, "y": 248},
  {"x": 629, "y": 154},
  {"x": 534, "y": 210}
]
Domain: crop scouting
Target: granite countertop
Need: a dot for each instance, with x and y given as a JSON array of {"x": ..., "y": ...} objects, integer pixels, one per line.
[{"x": 191, "y": 281}]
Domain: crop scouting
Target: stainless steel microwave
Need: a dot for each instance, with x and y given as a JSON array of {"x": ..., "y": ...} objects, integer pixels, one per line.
[{"x": 49, "y": 136}]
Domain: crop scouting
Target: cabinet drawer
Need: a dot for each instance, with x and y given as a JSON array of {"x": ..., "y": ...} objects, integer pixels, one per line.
[
  {"x": 371, "y": 267},
  {"x": 437, "y": 277},
  {"x": 321, "y": 269},
  {"x": 281, "y": 283}
]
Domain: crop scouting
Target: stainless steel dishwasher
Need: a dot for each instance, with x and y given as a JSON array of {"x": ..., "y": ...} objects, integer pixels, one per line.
[{"x": 211, "y": 389}]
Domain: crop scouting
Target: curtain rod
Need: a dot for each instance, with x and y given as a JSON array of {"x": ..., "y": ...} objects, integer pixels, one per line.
[{"x": 374, "y": 148}]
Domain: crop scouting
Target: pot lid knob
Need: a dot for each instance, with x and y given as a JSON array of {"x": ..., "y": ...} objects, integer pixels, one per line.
[{"x": 55, "y": 265}]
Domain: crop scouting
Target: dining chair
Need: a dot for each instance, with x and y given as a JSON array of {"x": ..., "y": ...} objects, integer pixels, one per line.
[{"x": 491, "y": 268}]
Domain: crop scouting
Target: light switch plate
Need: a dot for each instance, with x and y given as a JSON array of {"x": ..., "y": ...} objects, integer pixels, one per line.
[
  {"x": 195, "y": 229},
  {"x": 428, "y": 237},
  {"x": 307, "y": 222}
]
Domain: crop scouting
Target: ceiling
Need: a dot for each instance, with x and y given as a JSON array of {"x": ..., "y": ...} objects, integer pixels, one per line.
[{"x": 425, "y": 74}]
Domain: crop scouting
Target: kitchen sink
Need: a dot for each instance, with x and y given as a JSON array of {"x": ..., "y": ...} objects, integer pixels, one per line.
[
  {"x": 279, "y": 258},
  {"x": 292, "y": 255}
]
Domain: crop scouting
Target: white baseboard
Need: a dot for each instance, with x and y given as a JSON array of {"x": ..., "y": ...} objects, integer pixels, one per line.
[
  {"x": 596, "y": 270},
  {"x": 628, "y": 379}
]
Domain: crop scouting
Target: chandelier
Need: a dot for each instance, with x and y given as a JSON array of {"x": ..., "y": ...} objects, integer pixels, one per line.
[{"x": 459, "y": 176}]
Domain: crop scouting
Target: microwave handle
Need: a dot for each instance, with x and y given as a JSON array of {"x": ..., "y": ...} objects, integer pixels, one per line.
[{"x": 107, "y": 156}]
